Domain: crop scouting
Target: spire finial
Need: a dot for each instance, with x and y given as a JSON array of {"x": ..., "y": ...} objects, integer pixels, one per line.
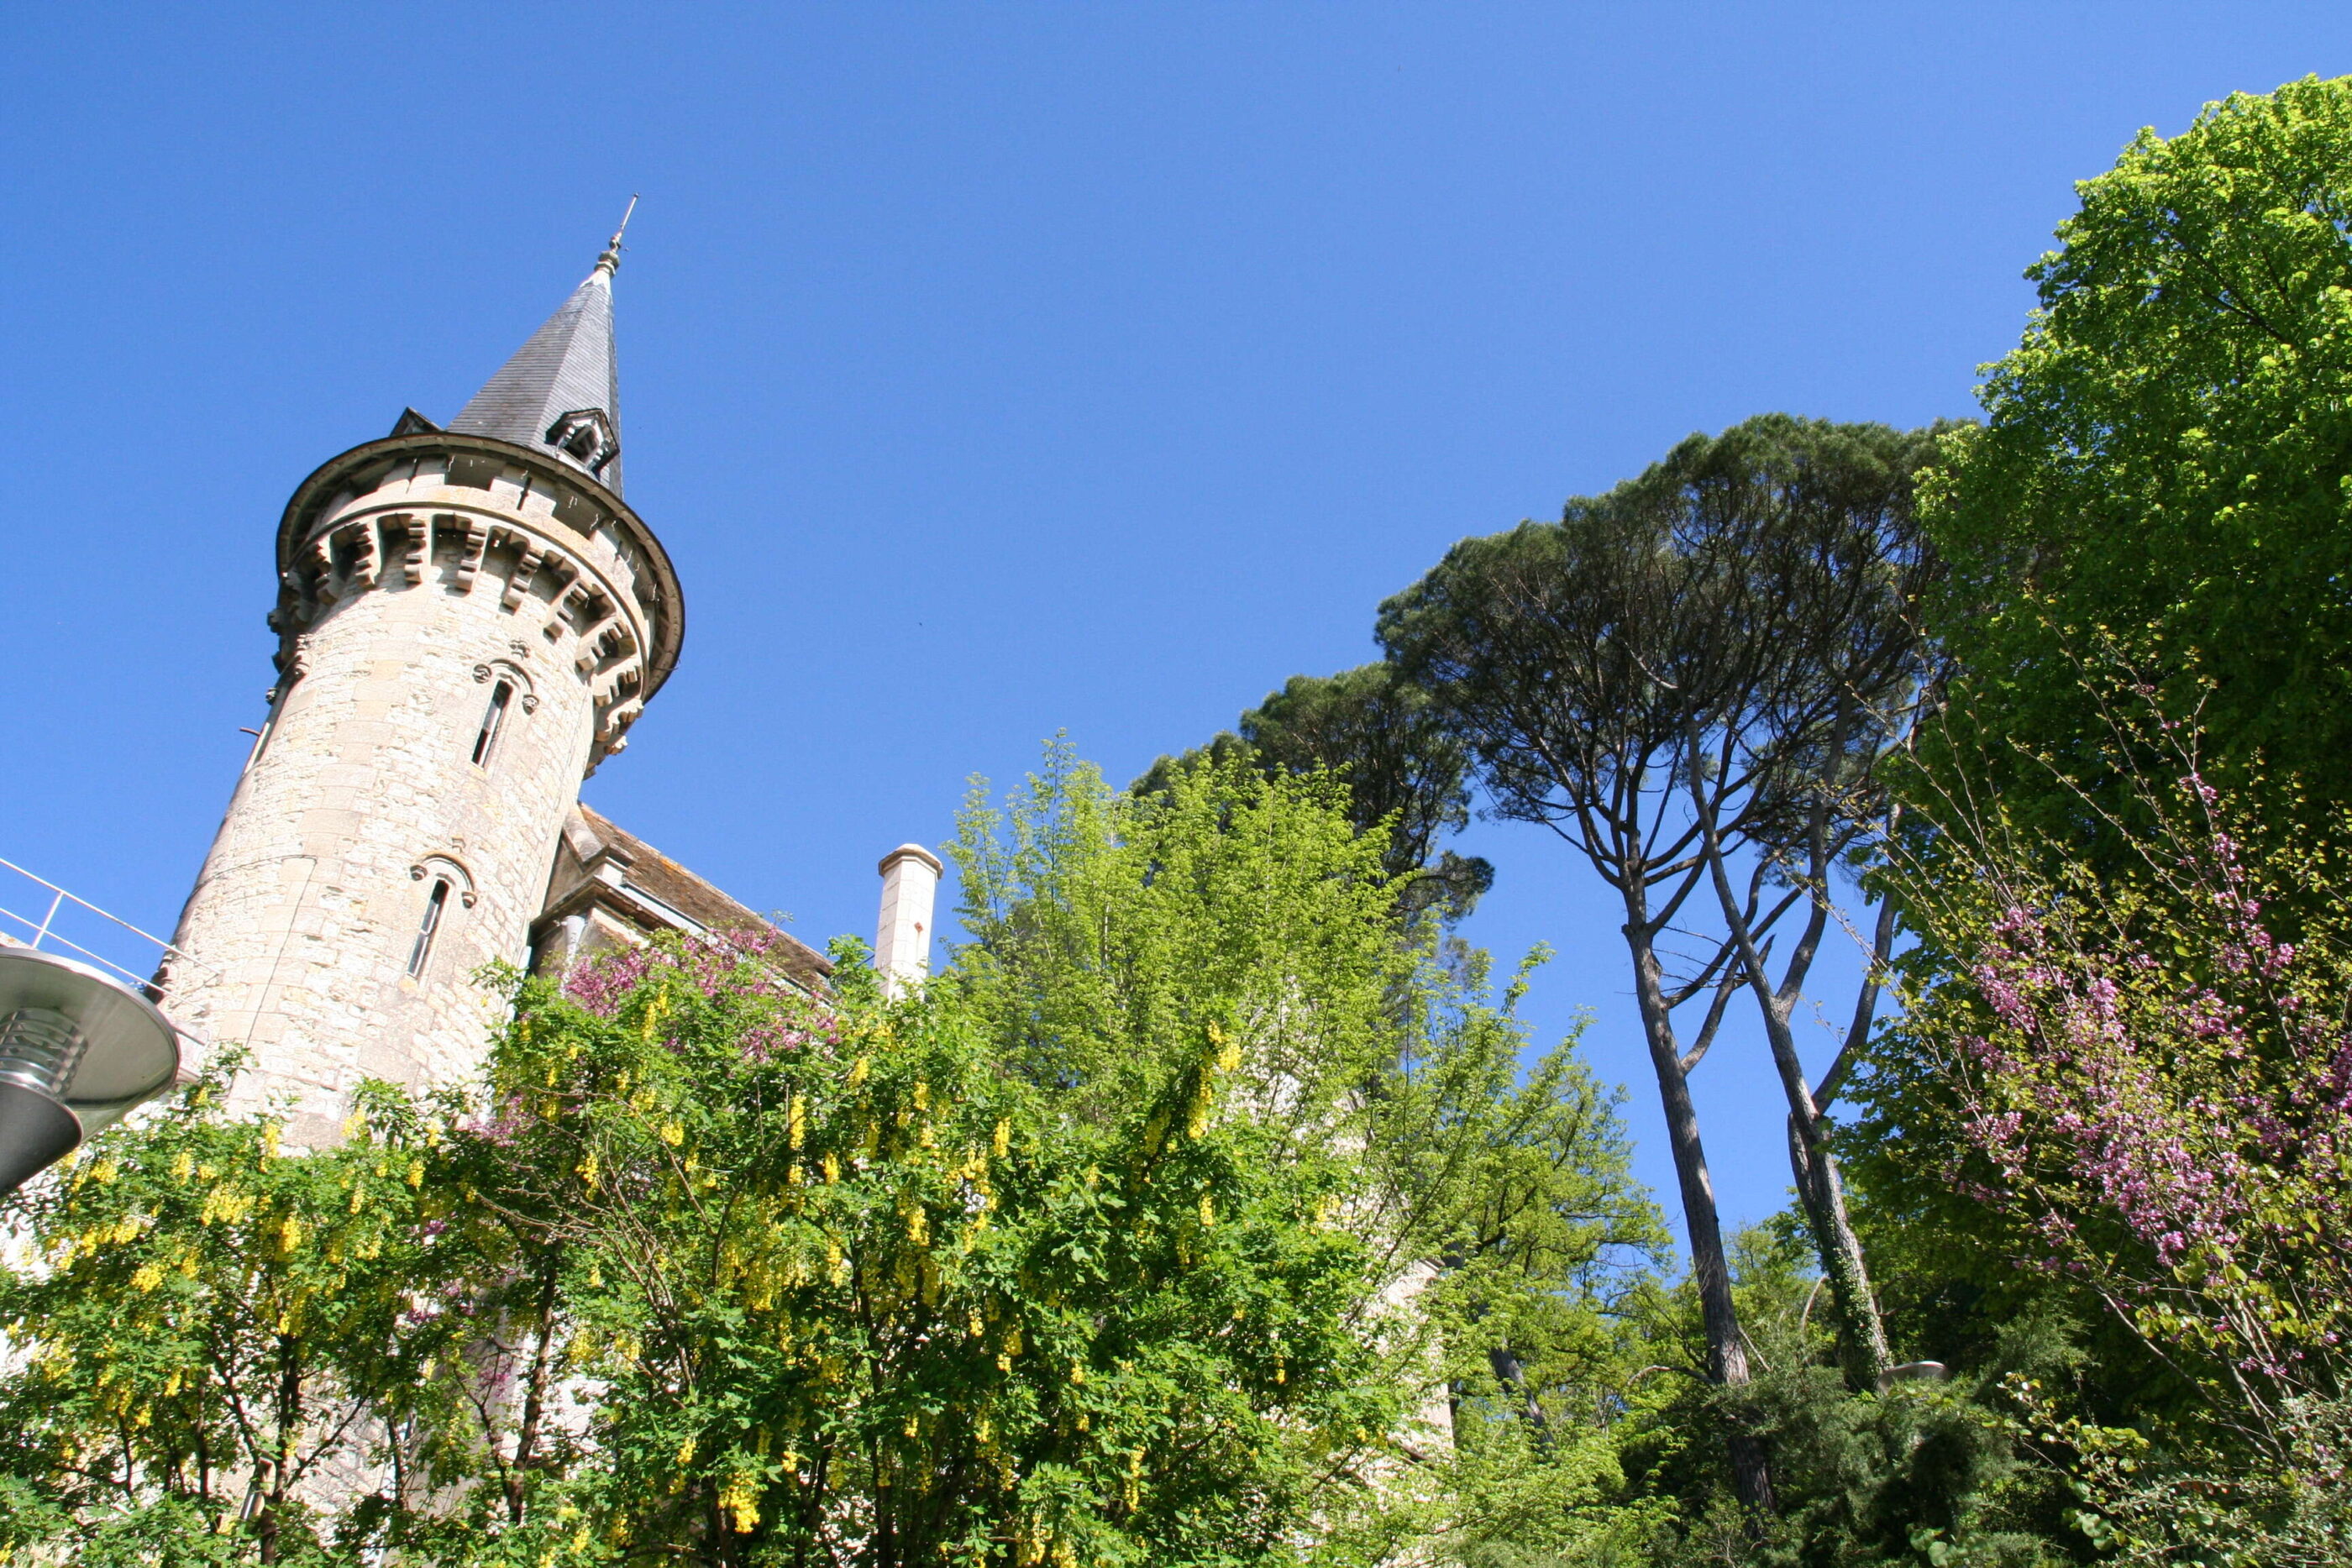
[{"x": 610, "y": 262}]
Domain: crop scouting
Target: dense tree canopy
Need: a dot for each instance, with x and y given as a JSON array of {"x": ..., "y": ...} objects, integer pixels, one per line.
[
  {"x": 2165, "y": 467},
  {"x": 1190, "y": 1206},
  {"x": 1406, "y": 772},
  {"x": 1690, "y": 679}
]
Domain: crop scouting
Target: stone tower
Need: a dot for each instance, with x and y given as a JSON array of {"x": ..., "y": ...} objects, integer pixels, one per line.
[{"x": 468, "y": 620}]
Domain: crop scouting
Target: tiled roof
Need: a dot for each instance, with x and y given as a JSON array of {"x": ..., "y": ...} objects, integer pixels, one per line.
[
  {"x": 652, "y": 878},
  {"x": 568, "y": 367}
]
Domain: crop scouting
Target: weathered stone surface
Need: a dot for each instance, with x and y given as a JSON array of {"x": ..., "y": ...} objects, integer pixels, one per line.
[{"x": 362, "y": 793}]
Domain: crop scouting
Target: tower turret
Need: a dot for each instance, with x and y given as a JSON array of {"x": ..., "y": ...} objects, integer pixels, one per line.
[{"x": 468, "y": 620}]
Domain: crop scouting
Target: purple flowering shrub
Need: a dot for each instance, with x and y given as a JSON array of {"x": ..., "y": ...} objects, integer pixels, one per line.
[{"x": 2149, "y": 1070}]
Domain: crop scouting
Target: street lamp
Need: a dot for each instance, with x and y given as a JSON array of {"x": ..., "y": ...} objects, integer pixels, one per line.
[{"x": 77, "y": 1053}]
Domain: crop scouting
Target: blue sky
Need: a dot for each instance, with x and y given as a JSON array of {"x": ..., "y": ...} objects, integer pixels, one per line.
[{"x": 988, "y": 371}]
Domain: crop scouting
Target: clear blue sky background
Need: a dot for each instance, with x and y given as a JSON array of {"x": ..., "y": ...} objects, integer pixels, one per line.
[{"x": 988, "y": 371}]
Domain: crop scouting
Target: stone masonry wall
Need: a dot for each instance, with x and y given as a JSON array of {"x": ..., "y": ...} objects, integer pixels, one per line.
[{"x": 415, "y": 597}]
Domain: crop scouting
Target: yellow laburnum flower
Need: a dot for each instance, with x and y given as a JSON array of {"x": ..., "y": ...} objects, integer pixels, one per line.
[
  {"x": 686, "y": 1449},
  {"x": 918, "y": 1225},
  {"x": 148, "y": 1276},
  {"x": 796, "y": 1122},
  {"x": 738, "y": 1498},
  {"x": 837, "y": 1266},
  {"x": 269, "y": 1134},
  {"x": 1208, "y": 1209},
  {"x": 181, "y": 1164},
  {"x": 1078, "y": 1373},
  {"x": 289, "y": 1235},
  {"x": 104, "y": 1171},
  {"x": 1001, "y": 1141},
  {"x": 831, "y": 1167},
  {"x": 673, "y": 1133},
  {"x": 922, "y": 1095},
  {"x": 859, "y": 1071},
  {"x": 417, "y": 1172}
]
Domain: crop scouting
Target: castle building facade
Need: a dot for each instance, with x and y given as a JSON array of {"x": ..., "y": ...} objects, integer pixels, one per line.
[{"x": 470, "y": 619}]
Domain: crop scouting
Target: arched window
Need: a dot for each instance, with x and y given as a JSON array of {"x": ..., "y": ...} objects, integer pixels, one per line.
[
  {"x": 435, "y": 902},
  {"x": 494, "y": 718}
]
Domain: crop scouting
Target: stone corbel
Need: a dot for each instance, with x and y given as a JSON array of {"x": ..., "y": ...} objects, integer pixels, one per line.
[
  {"x": 419, "y": 536},
  {"x": 367, "y": 554},
  {"x": 298, "y": 665},
  {"x": 519, "y": 581},
  {"x": 322, "y": 571},
  {"x": 470, "y": 559}
]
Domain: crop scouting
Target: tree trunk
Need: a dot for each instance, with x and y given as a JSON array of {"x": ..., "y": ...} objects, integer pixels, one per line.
[
  {"x": 1861, "y": 1332},
  {"x": 1727, "y": 1350}
]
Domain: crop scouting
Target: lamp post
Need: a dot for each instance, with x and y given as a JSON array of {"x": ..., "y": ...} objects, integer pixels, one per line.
[{"x": 77, "y": 1053}]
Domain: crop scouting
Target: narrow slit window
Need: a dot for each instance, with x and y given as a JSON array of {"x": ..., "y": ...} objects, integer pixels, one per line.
[
  {"x": 435, "y": 902},
  {"x": 494, "y": 719}
]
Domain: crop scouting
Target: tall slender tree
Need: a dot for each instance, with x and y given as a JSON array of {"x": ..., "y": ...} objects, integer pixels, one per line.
[{"x": 1689, "y": 679}]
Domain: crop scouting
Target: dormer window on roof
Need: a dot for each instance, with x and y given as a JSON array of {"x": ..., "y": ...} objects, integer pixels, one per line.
[{"x": 586, "y": 435}]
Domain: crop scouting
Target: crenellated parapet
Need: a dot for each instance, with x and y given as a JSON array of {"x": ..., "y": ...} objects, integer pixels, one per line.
[{"x": 581, "y": 576}]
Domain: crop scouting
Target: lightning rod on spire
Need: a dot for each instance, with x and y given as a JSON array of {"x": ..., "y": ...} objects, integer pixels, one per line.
[{"x": 610, "y": 261}]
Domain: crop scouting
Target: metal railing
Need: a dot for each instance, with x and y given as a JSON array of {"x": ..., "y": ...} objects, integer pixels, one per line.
[{"x": 54, "y": 902}]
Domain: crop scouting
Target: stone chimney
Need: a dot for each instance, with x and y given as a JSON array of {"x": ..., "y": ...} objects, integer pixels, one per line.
[{"x": 902, "y": 941}]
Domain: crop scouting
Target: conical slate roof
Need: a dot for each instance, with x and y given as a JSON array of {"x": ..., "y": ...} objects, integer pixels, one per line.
[{"x": 562, "y": 392}]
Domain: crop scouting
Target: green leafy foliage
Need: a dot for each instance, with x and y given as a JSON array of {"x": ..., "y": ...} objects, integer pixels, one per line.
[
  {"x": 1156, "y": 1227},
  {"x": 2167, "y": 457},
  {"x": 205, "y": 1317},
  {"x": 1406, "y": 773}
]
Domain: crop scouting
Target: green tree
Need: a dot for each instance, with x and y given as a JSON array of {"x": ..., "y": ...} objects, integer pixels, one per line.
[
  {"x": 1111, "y": 1244},
  {"x": 1690, "y": 679},
  {"x": 2166, "y": 462},
  {"x": 1935, "y": 1472},
  {"x": 1511, "y": 1181},
  {"x": 212, "y": 1328},
  {"x": 2135, "y": 1090},
  {"x": 2148, "y": 531},
  {"x": 1406, "y": 772}
]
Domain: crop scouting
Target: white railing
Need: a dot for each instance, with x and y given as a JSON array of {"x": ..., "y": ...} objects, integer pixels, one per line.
[{"x": 62, "y": 912}]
